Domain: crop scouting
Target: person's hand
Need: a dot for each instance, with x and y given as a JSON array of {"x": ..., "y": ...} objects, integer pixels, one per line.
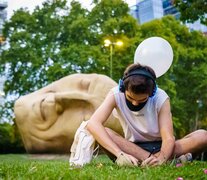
[
  {"x": 124, "y": 159},
  {"x": 152, "y": 161}
]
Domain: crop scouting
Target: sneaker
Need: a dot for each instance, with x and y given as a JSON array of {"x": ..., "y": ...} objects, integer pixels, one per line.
[
  {"x": 123, "y": 160},
  {"x": 184, "y": 158}
]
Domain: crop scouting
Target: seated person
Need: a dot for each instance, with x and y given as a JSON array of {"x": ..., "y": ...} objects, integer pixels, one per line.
[{"x": 144, "y": 112}]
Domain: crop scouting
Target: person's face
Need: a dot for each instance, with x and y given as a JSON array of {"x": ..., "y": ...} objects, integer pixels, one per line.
[
  {"x": 48, "y": 118},
  {"x": 136, "y": 99}
]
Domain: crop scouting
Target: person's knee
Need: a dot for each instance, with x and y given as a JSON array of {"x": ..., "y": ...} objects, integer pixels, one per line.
[
  {"x": 198, "y": 137},
  {"x": 202, "y": 133}
]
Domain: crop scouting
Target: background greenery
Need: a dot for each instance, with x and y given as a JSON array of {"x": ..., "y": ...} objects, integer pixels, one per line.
[
  {"x": 192, "y": 10},
  {"x": 57, "y": 40}
]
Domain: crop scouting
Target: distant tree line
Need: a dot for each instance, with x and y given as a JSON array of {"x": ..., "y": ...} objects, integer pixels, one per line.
[{"x": 10, "y": 139}]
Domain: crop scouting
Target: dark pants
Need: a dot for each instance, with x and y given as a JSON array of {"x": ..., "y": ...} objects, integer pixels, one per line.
[{"x": 151, "y": 146}]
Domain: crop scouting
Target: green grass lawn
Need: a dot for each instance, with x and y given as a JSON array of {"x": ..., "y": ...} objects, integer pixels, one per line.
[{"x": 32, "y": 167}]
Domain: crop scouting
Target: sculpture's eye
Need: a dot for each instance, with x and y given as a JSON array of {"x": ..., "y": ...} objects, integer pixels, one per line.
[
  {"x": 48, "y": 107},
  {"x": 59, "y": 108},
  {"x": 84, "y": 85}
]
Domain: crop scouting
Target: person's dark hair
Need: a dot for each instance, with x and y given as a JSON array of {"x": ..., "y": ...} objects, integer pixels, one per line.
[{"x": 139, "y": 84}]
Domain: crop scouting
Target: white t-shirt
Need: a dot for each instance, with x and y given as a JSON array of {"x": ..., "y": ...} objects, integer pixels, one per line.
[{"x": 141, "y": 125}]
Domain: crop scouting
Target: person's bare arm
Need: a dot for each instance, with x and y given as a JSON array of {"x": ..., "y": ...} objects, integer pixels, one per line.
[
  {"x": 95, "y": 124},
  {"x": 168, "y": 140},
  {"x": 96, "y": 128},
  {"x": 166, "y": 131}
]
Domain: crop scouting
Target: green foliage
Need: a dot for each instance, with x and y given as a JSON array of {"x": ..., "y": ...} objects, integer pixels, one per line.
[
  {"x": 27, "y": 167},
  {"x": 192, "y": 11},
  {"x": 184, "y": 82},
  {"x": 112, "y": 21},
  {"x": 57, "y": 40},
  {"x": 10, "y": 139}
]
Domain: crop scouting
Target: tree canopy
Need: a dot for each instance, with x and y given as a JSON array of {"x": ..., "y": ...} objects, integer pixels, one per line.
[
  {"x": 57, "y": 40},
  {"x": 192, "y": 11}
]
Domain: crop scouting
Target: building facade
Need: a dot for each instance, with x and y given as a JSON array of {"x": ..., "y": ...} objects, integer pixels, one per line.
[
  {"x": 147, "y": 10},
  {"x": 1, "y": 91},
  {"x": 3, "y": 16},
  {"x": 170, "y": 9}
]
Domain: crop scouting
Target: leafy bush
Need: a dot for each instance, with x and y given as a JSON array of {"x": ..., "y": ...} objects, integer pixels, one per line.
[{"x": 10, "y": 139}]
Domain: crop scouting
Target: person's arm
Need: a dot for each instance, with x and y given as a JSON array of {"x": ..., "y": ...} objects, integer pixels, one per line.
[
  {"x": 96, "y": 128},
  {"x": 168, "y": 139},
  {"x": 166, "y": 131}
]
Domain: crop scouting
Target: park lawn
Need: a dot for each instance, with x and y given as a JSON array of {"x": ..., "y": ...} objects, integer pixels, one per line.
[{"x": 27, "y": 167}]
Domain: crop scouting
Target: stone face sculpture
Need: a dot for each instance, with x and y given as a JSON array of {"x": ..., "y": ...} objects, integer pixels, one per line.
[{"x": 48, "y": 118}]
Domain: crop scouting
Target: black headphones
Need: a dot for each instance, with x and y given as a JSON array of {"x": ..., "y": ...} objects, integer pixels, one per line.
[{"x": 141, "y": 72}]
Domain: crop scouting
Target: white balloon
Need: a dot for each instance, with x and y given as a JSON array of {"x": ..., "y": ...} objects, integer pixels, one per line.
[{"x": 155, "y": 52}]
